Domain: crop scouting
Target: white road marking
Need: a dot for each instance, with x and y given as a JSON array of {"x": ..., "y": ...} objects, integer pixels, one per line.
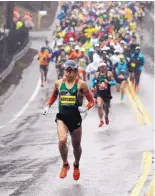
[
  {"x": 24, "y": 107},
  {"x": 29, "y": 101}
]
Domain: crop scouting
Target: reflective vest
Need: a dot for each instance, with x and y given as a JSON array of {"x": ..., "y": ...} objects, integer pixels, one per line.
[{"x": 19, "y": 24}]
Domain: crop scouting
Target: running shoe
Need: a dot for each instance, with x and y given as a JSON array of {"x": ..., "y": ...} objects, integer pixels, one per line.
[
  {"x": 106, "y": 120},
  {"x": 64, "y": 171},
  {"x": 101, "y": 124},
  {"x": 42, "y": 84},
  {"x": 76, "y": 172}
]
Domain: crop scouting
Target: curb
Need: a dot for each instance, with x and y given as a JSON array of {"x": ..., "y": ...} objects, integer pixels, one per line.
[{"x": 18, "y": 56}]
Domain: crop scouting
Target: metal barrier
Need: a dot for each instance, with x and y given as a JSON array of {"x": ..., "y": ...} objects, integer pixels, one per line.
[{"x": 11, "y": 44}]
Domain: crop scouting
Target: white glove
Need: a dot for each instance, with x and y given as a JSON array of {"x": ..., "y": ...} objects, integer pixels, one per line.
[
  {"x": 82, "y": 109},
  {"x": 46, "y": 110}
]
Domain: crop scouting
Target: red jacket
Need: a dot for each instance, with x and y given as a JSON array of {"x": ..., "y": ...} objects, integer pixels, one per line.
[{"x": 69, "y": 35}]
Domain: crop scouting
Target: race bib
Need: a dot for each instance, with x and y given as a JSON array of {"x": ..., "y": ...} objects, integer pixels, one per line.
[
  {"x": 68, "y": 100},
  {"x": 133, "y": 64},
  {"x": 82, "y": 63},
  {"x": 103, "y": 86}
]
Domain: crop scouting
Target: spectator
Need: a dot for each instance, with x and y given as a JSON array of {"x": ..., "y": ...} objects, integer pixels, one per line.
[
  {"x": 28, "y": 20},
  {"x": 16, "y": 15}
]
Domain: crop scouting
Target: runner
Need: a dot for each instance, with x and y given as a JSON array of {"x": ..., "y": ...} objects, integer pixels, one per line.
[
  {"x": 44, "y": 59},
  {"x": 136, "y": 66},
  {"x": 121, "y": 76},
  {"x": 60, "y": 64},
  {"x": 70, "y": 90},
  {"x": 82, "y": 63},
  {"x": 75, "y": 53},
  {"x": 103, "y": 84}
]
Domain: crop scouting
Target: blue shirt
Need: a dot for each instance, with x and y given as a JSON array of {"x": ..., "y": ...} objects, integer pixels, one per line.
[
  {"x": 139, "y": 58},
  {"x": 121, "y": 67}
]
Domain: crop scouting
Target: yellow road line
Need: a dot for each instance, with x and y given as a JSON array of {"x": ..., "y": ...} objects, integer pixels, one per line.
[
  {"x": 140, "y": 105},
  {"x": 151, "y": 191},
  {"x": 146, "y": 167},
  {"x": 139, "y": 118},
  {"x": 147, "y": 117}
]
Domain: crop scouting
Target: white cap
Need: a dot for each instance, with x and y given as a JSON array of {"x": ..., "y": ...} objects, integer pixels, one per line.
[
  {"x": 109, "y": 36},
  {"x": 104, "y": 48},
  {"x": 122, "y": 42},
  {"x": 91, "y": 50},
  {"x": 128, "y": 32},
  {"x": 98, "y": 6},
  {"x": 112, "y": 44},
  {"x": 102, "y": 63},
  {"x": 77, "y": 47},
  {"x": 137, "y": 48},
  {"x": 71, "y": 39},
  {"x": 82, "y": 49},
  {"x": 97, "y": 44},
  {"x": 59, "y": 43},
  {"x": 107, "y": 48}
]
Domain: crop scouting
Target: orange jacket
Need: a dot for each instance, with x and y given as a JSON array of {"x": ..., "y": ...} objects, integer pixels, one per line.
[
  {"x": 74, "y": 55},
  {"x": 43, "y": 58}
]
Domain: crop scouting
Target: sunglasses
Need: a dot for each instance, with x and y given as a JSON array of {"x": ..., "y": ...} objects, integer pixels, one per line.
[
  {"x": 102, "y": 66},
  {"x": 69, "y": 70}
]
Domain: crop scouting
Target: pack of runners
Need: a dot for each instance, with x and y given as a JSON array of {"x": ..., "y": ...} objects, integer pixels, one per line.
[{"x": 96, "y": 48}]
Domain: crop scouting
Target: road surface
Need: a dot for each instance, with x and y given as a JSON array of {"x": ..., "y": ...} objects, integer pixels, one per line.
[{"x": 116, "y": 161}]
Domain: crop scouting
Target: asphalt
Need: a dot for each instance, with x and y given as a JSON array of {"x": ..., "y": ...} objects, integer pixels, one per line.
[{"x": 112, "y": 157}]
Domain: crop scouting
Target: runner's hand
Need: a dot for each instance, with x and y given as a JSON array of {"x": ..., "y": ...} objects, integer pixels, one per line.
[
  {"x": 46, "y": 110},
  {"x": 121, "y": 77},
  {"x": 93, "y": 89},
  {"x": 82, "y": 109},
  {"x": 106, "y": 81}
]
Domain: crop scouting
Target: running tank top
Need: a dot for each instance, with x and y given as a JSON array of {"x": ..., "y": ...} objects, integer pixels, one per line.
[
  {"x": 69, "y": 100},
  {"x": 82, "y": 63},
  {"x": 101, "y": 85}
]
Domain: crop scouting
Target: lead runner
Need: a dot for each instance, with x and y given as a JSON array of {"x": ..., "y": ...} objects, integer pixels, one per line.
[{"x": 71, "y": 91}]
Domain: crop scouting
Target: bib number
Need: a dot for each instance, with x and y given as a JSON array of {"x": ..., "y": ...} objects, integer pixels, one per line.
[
  {"x": 82, "y": 63},
  {"x": 68, "y": 100},
  {"x": 103, "y": 86}
]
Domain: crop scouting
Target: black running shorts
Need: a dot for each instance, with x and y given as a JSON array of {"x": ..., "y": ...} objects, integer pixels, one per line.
[{"x": 72, "y": 122}]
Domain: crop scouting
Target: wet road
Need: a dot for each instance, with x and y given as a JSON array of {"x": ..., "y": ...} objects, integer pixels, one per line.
[{"x": 113, "y": 156}]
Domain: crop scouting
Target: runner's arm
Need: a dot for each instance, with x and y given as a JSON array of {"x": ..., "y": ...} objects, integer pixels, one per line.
[
  {"x": 88, "y": 96},
  {"x": 111, "y": 81},
  {"x": 54, "y": 95},
  {"x": 94, "y": 81},
  {"x": 142, "y": 59}
]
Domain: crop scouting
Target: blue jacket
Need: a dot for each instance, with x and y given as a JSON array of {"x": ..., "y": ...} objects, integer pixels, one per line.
[
  {"x": 55, "y": 55},
  {"x": 61, "y": 16},
  {"x": 140, "y": 59},
  {"x": 65, "y": 7},
  {"x": 123, "y": 67}
]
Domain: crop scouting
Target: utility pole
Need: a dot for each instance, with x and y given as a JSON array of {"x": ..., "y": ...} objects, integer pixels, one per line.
[
  {"x": 42, "y": 5},
  {"x": 9, "y": 6}
]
